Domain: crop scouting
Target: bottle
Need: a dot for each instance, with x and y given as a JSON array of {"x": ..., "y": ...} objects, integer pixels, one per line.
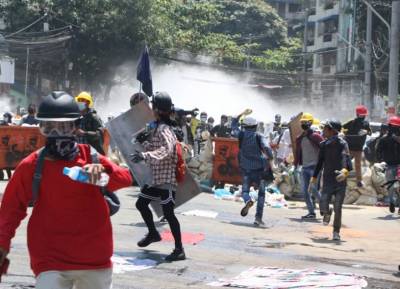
[{"x": 78, "y": 174}]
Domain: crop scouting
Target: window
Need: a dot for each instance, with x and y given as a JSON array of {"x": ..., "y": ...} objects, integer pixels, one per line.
[
  {"x": 293, "y": 8},
  {"x": 282, "y": 9}
]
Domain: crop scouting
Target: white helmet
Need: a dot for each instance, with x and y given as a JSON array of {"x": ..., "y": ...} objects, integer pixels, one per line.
[{"x": 249, "y": 121}]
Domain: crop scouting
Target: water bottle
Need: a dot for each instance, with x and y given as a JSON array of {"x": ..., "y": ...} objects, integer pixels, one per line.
[{"x": 79, "y": 175}]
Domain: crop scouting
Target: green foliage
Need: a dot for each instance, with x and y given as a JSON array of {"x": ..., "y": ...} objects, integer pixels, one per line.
[{"x": 108, "y": 32}]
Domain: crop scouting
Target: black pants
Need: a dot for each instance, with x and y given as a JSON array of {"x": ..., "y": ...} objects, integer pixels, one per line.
[
  {"x": 167, "y": 201},
  {"x": 328, "y": 191}
]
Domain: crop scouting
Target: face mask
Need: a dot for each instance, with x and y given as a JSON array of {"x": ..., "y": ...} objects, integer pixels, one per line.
[
  {"x": 82, "y": 106},
  {"x": 62, "y": 148},
  {"x": 203, "y": 119},
  {"x": 305, "y": 126},
  {"x": 361, "y": 117}
]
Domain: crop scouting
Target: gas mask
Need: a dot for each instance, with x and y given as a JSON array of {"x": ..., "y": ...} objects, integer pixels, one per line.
[
  {"x": 61, "y": 143},
  {"x": 305, "y": 125}
]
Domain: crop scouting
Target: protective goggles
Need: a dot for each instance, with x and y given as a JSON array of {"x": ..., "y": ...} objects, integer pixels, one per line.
[{"x": 57, "y": 128}]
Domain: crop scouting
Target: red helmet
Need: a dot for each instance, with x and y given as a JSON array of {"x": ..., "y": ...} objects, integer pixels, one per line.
[
  {"x": 361, "y": 110},
  {"x": 394, "y": 121}
]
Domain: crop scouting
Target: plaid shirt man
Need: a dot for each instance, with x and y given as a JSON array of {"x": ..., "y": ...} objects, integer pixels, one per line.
[{"x": 161, "y": 155}]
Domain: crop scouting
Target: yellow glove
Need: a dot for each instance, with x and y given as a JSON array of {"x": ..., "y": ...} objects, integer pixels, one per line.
[{"x": 342, "y": 175}]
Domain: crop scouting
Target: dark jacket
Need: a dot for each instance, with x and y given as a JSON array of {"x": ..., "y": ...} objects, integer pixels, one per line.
[
  {"x": 90, "y": 122},
  {"x": 353, "y": 137},
  {"x": 314, "y": 137},
  {"x": 388, "y": 150},
  {"x": 221, "y": 131},
  {"x": 333, "y": 156}
]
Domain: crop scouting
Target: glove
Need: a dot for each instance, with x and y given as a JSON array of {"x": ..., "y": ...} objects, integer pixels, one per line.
[
  {"x": 341, "y": 175},
  {"x": 137, "y": 157},
  {"x": 142, "y": 136},
  {"x": 312, "y": 185}
]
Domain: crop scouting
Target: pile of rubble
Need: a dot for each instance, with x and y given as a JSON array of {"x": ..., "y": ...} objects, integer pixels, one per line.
[
  {"x": 201, "y": 165},
  {"x": 372, "y": 191}
]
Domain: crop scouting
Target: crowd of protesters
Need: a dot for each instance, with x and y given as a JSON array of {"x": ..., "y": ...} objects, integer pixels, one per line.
[{"x": 80, "y": 257}]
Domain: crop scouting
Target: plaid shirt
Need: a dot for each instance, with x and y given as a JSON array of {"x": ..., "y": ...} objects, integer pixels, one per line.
[{"x": 161, "y": 155}]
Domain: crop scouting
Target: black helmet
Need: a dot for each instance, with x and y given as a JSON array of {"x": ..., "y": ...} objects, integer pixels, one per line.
[
  {"x": 58, "y": 106},
  {"x": 333, "y": 124},
  {"x": 138, "y": 97},
  {"x": 162, "y": 102}
]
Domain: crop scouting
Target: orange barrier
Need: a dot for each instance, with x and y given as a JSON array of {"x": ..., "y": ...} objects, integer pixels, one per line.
[
  {"x": 17, "y": 142},
  {"x": 226, "y": 165}
]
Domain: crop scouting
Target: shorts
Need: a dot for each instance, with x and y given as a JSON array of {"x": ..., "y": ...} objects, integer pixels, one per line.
[{"x": 163, "y": 196}]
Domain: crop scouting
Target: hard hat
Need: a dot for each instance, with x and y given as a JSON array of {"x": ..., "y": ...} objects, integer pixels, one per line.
[
  {"x": 333, "y": 124},
  {"x": 307, "y": 117},
  {"x": 394, "y": 121},
  {"x": 85, "y": 96},
  {"x": 361, "y": 110},
  {"x": 162, "y": 102},
  {"x": 58, "y": 106},
  {"x": 249, "y": 121}
]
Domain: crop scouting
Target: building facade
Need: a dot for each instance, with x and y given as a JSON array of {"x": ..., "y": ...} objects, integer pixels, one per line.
[{"x": 335, "y": 81}]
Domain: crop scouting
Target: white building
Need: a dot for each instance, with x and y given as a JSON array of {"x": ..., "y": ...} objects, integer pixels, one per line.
[{"x": 330, "y": 34}]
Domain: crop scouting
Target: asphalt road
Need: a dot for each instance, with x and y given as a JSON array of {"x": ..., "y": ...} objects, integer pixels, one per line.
[{"x": 369, "y": 247}]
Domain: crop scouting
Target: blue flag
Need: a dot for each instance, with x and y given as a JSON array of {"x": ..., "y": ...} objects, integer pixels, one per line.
[{"x": 144, "y": 73}]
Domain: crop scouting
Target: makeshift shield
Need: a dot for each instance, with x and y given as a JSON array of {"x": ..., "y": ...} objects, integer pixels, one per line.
[
  {"x": 123, "y": 130},
  {"x": 295, "y": 130}
]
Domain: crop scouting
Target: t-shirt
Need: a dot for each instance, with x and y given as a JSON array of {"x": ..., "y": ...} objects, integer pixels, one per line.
[{"x": 309, "y": 152}]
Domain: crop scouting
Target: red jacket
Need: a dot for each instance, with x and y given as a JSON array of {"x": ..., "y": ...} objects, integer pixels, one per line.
[{"x": 70, "y": 227}]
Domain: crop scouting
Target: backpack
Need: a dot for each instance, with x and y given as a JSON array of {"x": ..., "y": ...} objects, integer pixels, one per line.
[
  {"x": 180, "y": 171},
  {"x": 110, "y": 197}
]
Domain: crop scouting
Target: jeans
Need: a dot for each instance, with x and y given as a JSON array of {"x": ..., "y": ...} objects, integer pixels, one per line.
[
  {"x": 306, "y": 175},
  {"x": 391, "y": 172},
  {"x": 339, "y": 191},
  {"x": 357, "y": 164},
  {"x": 250, "y": 177}
]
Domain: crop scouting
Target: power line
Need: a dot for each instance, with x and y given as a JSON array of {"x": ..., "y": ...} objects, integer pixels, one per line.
[{"x": 26, "y": 27}]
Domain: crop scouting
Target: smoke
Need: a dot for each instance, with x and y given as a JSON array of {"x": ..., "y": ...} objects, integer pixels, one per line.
[
  {"x": 5, "y": 104},
  {"x": 209, "y": 89}
]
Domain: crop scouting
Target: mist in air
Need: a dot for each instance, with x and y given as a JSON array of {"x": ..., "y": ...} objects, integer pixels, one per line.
[{"x": 208, "y": 89}]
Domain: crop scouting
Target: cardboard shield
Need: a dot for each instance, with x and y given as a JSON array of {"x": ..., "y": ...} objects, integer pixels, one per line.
[
  {"x": 123, "y": 130},
  {"x": 295, "y": 130}
]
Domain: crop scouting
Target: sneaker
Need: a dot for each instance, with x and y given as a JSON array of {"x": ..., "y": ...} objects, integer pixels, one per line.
[
  {"x": 246, "y": 208},
  {"x": 392, "y": 208},
  {"x": 309, "y": 217},
  {"x": 259, "y": 222},
  {"x": 148, "y": 239},
  {"x": 360, "y": 184},
  {"x": 176, "y": 255},
  {"x": 336, "y": 236},
  {"x": 327, "y": 217}
]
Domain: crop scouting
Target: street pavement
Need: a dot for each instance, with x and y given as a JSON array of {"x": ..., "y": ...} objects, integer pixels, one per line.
[{"x": 369, "y": 247}]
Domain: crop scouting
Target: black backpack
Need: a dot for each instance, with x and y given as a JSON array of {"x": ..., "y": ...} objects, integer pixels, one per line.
[{"x": 111, "y": 198}]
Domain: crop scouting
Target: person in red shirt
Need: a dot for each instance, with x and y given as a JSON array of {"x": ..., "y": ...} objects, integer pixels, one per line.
[{"x": 69, "y": 231}]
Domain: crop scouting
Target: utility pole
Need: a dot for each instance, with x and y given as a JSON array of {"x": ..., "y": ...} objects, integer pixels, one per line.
[
  {"x": 27, "y": 72},
  {"x": 394, "y": 56},
  {"x": 368, "y": 62},
  {"x": 305, "y": 40}
]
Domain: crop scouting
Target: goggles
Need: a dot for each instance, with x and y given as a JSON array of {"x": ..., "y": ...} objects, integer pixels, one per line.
[{"x": 57, "y": 128}]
